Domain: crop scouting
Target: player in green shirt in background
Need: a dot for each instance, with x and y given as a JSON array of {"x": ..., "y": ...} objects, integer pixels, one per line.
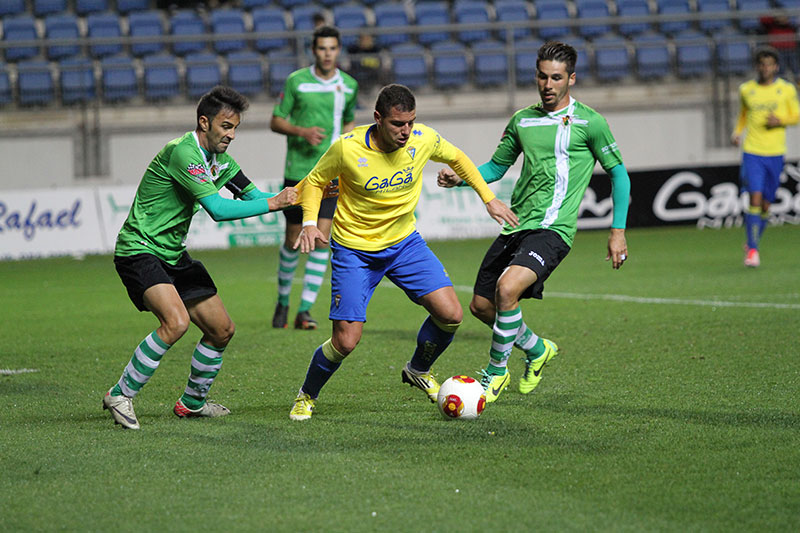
[
  {"x": 317, "y": 105},
  {"x": 561, "y": 140},
  {"x": 151, "y": 258}
]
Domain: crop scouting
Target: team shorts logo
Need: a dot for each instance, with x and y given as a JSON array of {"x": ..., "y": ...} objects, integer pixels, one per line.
[{"x": 537, "y": 257}]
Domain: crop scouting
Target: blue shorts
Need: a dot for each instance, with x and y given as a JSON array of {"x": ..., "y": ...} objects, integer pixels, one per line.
[
  {"x": 762, "y": 174},
  {"x": 409, "y": 264}
]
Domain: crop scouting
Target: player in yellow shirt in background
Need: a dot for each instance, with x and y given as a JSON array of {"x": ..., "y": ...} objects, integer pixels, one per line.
[
  {"x": 373, "y": 235},
  {"x": 767, "y": 105}
]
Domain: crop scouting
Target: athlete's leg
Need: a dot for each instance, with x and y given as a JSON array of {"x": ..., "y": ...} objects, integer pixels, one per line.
[
  {"x": 316, "y": 264},
  {"x": 287, "y": 264},
  {"x": 328, "y": 357},
  {"x": 438, "y": 329}
]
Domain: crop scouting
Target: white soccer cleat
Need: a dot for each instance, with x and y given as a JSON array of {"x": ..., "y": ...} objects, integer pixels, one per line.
[
  {"x": 209, "y": 410},
  {"x": 121, "y": 409}
]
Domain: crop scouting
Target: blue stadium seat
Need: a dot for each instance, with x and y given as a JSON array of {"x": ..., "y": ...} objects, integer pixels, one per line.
[
  {"x": 146, "y": 24},
  {"x": 126, "y": 6},
  {"x": 42, "y": 8},
  {"x": 592, "y": 9},
  {"x": 35, "y": 82},
  {"x": 118, "y": 78},
  {"x": 525, "y": 53},
  {"x": 86, "y": 7},
  {"x": 266, "y": 20},
  {"x": 611, "y": 59},
  {"x": 245, "y": 73},
  {"x": 332, "y": 4},
  {"x": 471, "y": 12},
  {"x": 633, "y": 8},
  {"x": 20, "y": 28},
  {"x": 187, "y": 23},
  {"x": 491, "y": 63},
  {"x": 652, "y": 56},
  {"x": 161, "y": 80},
  {"x": 692, "y": 54},
  {"x": 551, "y": 10},
  {"x": 349, "y": 17},
  {"x": 391, "y": 15},
  {"x": 759, "y": 8},
  {"x": 61, "y": 27},
  {"x": 583, "y": 65},
  {"x": 303, "y": 17},
  {"x": 718, "y": 7},
  {"x": 674, "y": 7},
  {"x": 202, "y": 73},
  {"x": 103, "y": 25},
  {"x": 228, "y": 21},
  {"x": 281, "y": 64},
  {"x": 449, "y": 65},
  {"x": 734, "y": 56},
  {"x": 408, "y": 65},
  {"x": 77, "y": 80},
  {"x": 513, "y": 11},
  {"x": 432, "y": 13},
  {"x": 6, "y": 97},
  {"x": 291, "y": 4},
  {"x": 255, "y": 4},
  {"x": 12, "y": 7}
]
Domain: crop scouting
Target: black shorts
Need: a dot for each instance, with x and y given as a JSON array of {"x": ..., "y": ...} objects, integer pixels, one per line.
[
  {"x": 294, "y": 215},
  {"x": 141, "y": 271},
  {"x": 540, "y": 250}
]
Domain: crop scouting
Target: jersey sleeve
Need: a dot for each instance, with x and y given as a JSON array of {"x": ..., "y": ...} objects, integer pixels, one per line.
[
  {"x": 285, "y": 106},
  {"x": 791, "y": 113},
  {"x": 349, "y": 114},
  {"x": 603, "y": 145},
  {"x": 509, "y": 148},
  {"x": 443, "y": 150},
  {"x": 189, "y": 171}
]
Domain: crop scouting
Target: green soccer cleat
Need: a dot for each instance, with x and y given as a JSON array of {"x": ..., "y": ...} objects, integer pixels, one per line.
[
  {"x": 424, "y": 381},
  {"x": 494, "y": 385},
  {"x": 209, "y": 410},
  {"x": 303, "y": 407},
  {"x": 533, "y": 367}
]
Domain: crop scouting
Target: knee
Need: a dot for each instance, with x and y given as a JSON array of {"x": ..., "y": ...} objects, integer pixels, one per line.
[
  {"x": 174, "y": 326},
  {"x": 222, "y": 334},
  {"x": 482, "y": 310},
  {"x": 506, "y": 296},
  {"x": 345, "y": 342},
  {"x": 452, "y": 315}
]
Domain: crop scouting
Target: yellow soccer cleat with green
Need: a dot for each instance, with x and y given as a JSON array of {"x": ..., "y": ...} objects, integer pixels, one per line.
[
  {"x": 494, "y": 385},
  {"x": 533, "y": 368},
  {"x": 424, "y": 381},
  {"x": 303, "y": 407}
]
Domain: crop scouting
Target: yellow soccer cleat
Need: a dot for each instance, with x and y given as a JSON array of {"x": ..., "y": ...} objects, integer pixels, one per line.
[
  {"x": 533, "y": 368},
  {"x": 303, "y": 407},
  {"x": 494, "y": 385},
  {"x": 424, "y": 381}
]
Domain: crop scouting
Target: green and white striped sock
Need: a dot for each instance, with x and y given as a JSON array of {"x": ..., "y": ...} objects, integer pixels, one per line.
[
  {"x": 315, "y": 272},
  {"x": 529, "y": 342},
  {"x": 141, "y": 367},
  {"x": 504, "y": 332},
  {"x": 286, "y": 267},
  {"x": 206, "y": 362}
]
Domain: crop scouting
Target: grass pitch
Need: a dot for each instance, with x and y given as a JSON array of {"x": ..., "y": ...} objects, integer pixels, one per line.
[{"x": 672, "y": 405}]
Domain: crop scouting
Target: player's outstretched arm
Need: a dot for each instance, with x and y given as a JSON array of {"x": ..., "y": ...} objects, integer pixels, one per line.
[
  {"x": 501, "y": 212},
  {"x": 286, "y": 198},
  {"x": 617, "y": 248},
  {"x": 307, "y": 240}
]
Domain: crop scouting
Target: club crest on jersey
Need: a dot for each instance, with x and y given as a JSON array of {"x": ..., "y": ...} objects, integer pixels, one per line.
[
  {"x": 411, "y": 151},
  {"x": 566, "y": 120}
]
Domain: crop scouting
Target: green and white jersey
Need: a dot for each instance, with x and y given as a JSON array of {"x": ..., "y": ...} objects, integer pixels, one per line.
[
  {"x": 560, "y": 150},
  {"x": 307, "y": 101},
  {"x": 179, "y": 175}
]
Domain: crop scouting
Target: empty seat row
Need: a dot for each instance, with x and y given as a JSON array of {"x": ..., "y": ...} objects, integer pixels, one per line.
[{"x": 43, "y": 8}]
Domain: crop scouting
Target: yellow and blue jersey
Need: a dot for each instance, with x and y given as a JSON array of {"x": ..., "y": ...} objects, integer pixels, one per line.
[{"x": 756, "y": 103}]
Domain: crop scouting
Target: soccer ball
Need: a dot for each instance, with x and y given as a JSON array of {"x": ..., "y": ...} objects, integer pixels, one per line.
[{"x": 461, "y": 397}]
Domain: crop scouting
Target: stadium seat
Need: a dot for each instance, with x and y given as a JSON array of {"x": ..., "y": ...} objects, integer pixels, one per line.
[
  {"x": 245, "y": 73},
  {"x": 332, "y": 4},
  {"x": 77, "y": 80},
  {"x": 652, "y": 56},
  {"x": 87, "y": 7},
  {"x": 6, "y": 97},
  {"x": 450, "y": 69},
  {"x": 592, "y": 9},
  {"x": 583, "y": 65},
  {"x": 513, "y": 11},
  {"x": 391, "y": 15},
  {"x": 349, "y": 17},
  {"x": 127, "y": 6},
  {"x": 491, "y": 63},
  {"x": 759, "y": 8},
  {"x": 35, "y": 83},
  {"x": 471, "y": 12},
  {"x": 281, "y": 64},
  {"x": 717, "y": 7},
  {"x": 255, "y": 4},
  {"x": 187, "y": 23},
  {"x": 118, "y": 78},
  {"x": 291, "y": 4},
  {"x": 202, "y": 73},
  {"x": 303, "y": 17},
  {"x": 734, "y": 56},
  {"x": 611, "y": 59},
  {"x": 550, "y": 11},
  {"x": 61, "y": 27},
  {"x": 633, "y": 8},
  {"x": 12, "y": 7},
  {"x": 432, "y": 13},
  {"x": 674, "y": 7},
  {"x": 42, "y": 8},
  {"x": 103, "y": 25},
  {"x": 692, "y": 54},
  {"x": 20, "y": 28},
  {"x": 408, "y": 65},
  {"x": 525, "y": 53},
  {"x": 228, "y": 21},
  {"x": 161, "y": 80},
  {"x": 146, "y": 24},
  {"x": 266, "y": 20}
]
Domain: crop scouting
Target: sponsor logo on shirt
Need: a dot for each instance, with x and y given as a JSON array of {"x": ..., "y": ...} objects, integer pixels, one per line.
[
  {"x": 399, "y": 180},
  {"x": 198, "y": 172},
  {"x": 609, "y": 148}
]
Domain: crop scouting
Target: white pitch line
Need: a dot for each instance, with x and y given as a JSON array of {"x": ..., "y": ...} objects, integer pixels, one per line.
[{"x": 12, "y": 371}]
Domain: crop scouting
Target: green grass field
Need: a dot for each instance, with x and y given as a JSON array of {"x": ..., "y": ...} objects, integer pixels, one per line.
[{"x": 672, "y": 406}]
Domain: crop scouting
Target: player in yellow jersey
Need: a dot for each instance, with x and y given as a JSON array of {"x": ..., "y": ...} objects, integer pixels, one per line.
[
  {"x": 767, "y": 105},
  {"x": 380, "y": 180}
]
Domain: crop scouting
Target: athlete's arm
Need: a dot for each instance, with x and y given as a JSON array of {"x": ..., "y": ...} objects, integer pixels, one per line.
[
  {"x": 736, "y": 136},
  {"x": 620, "y": 196},
  {"x": 790, "y": 117},
  {"x": 466, "y": 169},
  {"x": 490, "y": 172},
  {"x": 220, "y": 208},
  {"x": 313, "y": 135}
]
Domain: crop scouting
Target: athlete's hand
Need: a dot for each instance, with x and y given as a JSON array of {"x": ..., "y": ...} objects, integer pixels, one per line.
[
  {"x": 283, "y": 199},
  {"x": 314, "y": 135},
  {"x": 617, "y": 248},
  {"x": 331, "y": 190},
  {"x": 447, "y": 178},
  {"x": 307, "y": 240},
  {"x": 501, "y": 212},
  {"x": 773, "y": 121},
  {"x": 736, "y": 139}
]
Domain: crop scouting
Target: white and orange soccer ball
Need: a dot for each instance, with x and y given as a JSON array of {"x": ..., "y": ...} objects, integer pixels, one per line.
[{"x": 461, "y": 397}]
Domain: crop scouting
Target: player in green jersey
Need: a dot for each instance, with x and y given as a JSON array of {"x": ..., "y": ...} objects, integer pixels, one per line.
[
  {"x": 561, "y": 140},
  {"x": 151, "y": 259},
  {"x": 316, "y": 107}
]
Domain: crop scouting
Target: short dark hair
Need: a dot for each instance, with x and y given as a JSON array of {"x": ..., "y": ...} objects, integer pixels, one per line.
[
  {"x": 766, "y": 51},
  {"x": 325, "y": 31},
  {"x": 219, "y": 98},
  {"x": 557, "y": 51},
  {"x": 395, "y": 95}
]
